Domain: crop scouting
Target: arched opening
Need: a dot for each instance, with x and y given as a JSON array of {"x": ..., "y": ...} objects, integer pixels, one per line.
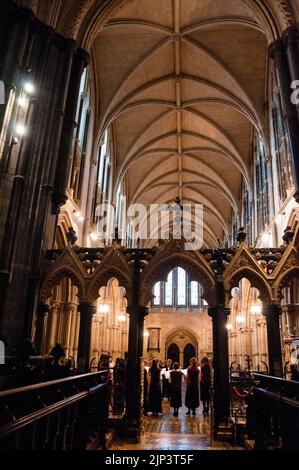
[
  {"x": 173, "y": 353},
  {"x": 62, "y": 323},
  {"x": 109, "y": 335},
  {"x": 177, "y": 302},
  {"x": 189, "y": 352},
  {"x": 247, "y": 330}
]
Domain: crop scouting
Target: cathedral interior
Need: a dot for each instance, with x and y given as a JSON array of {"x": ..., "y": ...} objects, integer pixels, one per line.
[{"x": 111, "y": 110}]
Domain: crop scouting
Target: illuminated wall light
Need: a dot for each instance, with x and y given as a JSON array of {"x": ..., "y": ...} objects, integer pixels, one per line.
[
  {"x": 78, "y": 216},
  {"x": 93, "y": 236},
  {"x": 256, "y": 310},
  {"x": 240, "y": 319},
  {"x": 229, "y": 327},
  {"x": 22, "y": 101},
  {"x": 146, "y": 334},
  {"x": 29, "y": 88},
  {"x": 20, "y": 130},
  {"x": 121, "y": 318},
  {"x": 104, "y": 308},
  {"x": 266, "y": 238}
]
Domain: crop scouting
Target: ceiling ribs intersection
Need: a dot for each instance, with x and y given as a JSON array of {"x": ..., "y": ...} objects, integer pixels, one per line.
[{"x": 207, "y": 141}]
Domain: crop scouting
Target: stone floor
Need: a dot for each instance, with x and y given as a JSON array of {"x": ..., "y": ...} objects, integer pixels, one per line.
[{"x": 167, "y": 432}]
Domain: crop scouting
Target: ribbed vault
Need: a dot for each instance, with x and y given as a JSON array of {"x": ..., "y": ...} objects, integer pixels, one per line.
[{"x": 179, "y": 86}]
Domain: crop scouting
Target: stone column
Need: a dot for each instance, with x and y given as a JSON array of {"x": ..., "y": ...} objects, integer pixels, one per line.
[
  {"x": 14, "y": 43},
  {"x": 135, "y": 352},
  {"x": 52, "y": 327},
  {"x": 42, "y": 313},
  {"x": 272, "y": 313},
  {"x": 290, "y": 39},
  {"x": 278, "y": 53},
  {"x": 219, "y": 316},
  {"x": 49, "y": 57},
  {"x": 87, "y": 312},
  {"x": 80, "y": 61},
  {"x": 66, "y": 328}
]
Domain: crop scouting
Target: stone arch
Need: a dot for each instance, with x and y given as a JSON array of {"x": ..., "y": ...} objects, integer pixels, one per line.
[
  {"x": 256, "y": 280},
  {"x": 87, "y": 22},
  {"x": 158, "y": 271},
  {"x": 56, "y": 277},
  {"x": 103, "y": 276},
  {"x": 182, "y": 337}
]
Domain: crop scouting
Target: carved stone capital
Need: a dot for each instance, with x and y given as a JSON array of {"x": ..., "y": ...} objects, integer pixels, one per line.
[
  {"x": 275, "y": 48},
  {"x": 87, "y": 309},
  {"x": 271, "y": 311}
]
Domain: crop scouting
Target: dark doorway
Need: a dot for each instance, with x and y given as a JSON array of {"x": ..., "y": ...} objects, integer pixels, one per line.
[
  {"x": 173, "y": 353},
  {"x": 189, "y": 352}
]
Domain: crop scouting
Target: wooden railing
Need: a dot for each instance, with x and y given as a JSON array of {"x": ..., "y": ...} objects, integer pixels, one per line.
[
  {"x": 58, "y": 415},
  {"x": 274, "y": 413}
]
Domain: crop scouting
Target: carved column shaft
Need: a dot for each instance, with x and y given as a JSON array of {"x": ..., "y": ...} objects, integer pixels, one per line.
[
  {"x": 87, "y": 312},
  {"x": 272, "y": 313},
  {"x": 290, "y": 38},
  {"x": 220, "y": 363},
  {"x": 43, "y": 311},
  {"x": 135, "y": 352},
  {"x": 14, "y": 26},
  {"x": 80, "y": 61},
  {"x": 278, "y": 53},
  {"x": 49, "y": 59}
]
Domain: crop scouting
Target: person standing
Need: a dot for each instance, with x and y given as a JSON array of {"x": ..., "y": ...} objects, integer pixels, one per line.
[
  {"x": 145, "y": 393},
  {"x": 192, "y": 392},
  {"x": 165, "y": 378},
  {"x": 205, "y": 384},
  {"x": 154, "y": 394},
  {"x": 175, "y": 385}
]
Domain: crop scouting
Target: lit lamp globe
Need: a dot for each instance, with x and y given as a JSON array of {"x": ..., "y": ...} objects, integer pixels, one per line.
[
  {"x": 104, "y": 308},
  {"x": 122, "y": 318},
  {"x": 29, "y": 88},
  {"x": 146, "y": 334},
  {"x": 240, "y": 319},
  {"x": 256, "y": 310}
]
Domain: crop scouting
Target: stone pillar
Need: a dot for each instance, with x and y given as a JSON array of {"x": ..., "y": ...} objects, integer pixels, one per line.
[
  {"x": 272, "y": 313},
  {"x": 278, "y": 53},
  {"x": 135, "y": 353},
  {"x": 52, "y": 327},
  {"x": 87, "y": 312},
  {"x": 14, "y": 31},
  {"x": 50, "y": 57},
  {"x": 66, "y": 326},
  {"x": 219, "y": 316},
  {"x": 80, "y": 61},
  {"x": 42, "y": 313},
  {"x": 290, "y": 39}
]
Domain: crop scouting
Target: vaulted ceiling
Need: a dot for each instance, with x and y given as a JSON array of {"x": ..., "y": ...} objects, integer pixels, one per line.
[{"x": 182, "y": 83}]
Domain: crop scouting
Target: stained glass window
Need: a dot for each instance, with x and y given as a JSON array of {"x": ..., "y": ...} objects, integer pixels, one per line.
[
  {"x": 178, "y": 291},
  {"x": 181, "y": 289},
  {"x": 168, "y": 290},
  {"x": 157, "y": 294},
  {"x": 194, "y": 294}
]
